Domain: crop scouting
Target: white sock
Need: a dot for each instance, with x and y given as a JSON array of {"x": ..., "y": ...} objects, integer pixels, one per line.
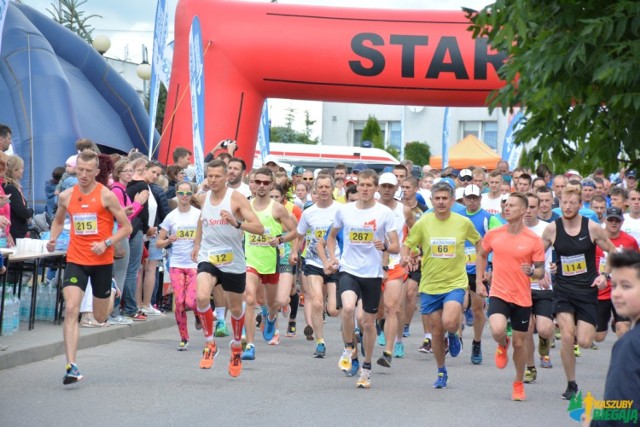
[
  {"x": 427, "y": 336},
  {"x": 220, "y": 313}
]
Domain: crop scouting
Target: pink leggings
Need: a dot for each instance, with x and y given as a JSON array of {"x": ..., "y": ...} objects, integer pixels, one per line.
[{"x": 183, "y": 281}]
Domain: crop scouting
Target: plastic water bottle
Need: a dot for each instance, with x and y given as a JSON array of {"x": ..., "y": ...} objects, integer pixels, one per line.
[
  {"x": 16, "y": 313},
  {"x": 3, "y": 238},
  {"x": 7, "y": 316},
  {"x": 25, "y": 304},
  {"x": 40, "y": 303},
  {"x": 50, "y": 307}
]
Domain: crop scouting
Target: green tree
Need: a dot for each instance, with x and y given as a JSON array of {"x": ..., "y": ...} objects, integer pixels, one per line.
[
  {"x": 573, "y": 67},
  {"x": 418, "y": 152},
  {"x": 288, "y": 135},
  {"x": 373, "y": 133},
  {"x": 68, "y": 13}
]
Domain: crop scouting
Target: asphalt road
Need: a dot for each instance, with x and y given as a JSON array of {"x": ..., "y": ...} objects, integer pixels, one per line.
[{"x": 143, "y": 380}]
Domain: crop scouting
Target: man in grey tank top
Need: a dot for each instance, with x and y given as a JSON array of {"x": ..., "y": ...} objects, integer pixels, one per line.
[{"x": 218, "y": 250}]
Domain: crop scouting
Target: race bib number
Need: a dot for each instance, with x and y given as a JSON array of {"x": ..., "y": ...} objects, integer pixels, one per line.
[
  {"x": 220, "y": 256},
  {"x": 573, "y": 265},
  {"x": 443, "y": 248},
  {"x": 361, "y": 236},
  {"x": 186, "y": 233},
  {"x": 319, "y": 233},
  {"x": 603, "y": 263},
  {"x": 470, "y": 255},
  {"x": 258, "y": 240},
  {"x": 85, "y": 224}
]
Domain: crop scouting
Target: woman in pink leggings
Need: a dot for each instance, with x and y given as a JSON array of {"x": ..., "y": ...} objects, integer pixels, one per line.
[{"x": 178, "y": 230}]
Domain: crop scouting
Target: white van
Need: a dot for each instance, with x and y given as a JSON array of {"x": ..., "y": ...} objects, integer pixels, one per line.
[{"x": 326, "y": 156}]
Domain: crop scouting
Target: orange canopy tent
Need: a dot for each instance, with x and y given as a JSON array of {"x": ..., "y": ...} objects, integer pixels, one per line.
[{"x": 468, "y": 152}]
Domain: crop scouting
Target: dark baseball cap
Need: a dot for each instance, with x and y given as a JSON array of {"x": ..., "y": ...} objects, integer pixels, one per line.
[{"x": 614, "y": 212}]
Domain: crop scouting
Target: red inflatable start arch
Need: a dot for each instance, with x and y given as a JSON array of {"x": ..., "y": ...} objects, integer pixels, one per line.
[{"x": 262, "y": 50}]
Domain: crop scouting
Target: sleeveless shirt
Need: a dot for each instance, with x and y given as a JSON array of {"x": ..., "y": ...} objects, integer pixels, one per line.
[{"x": 221, "y": 243}]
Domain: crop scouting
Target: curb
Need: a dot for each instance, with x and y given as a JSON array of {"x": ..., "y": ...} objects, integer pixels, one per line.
[{"x": 45, "y": 341}]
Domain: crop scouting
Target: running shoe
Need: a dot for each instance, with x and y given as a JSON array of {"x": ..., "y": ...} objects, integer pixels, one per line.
[
  {"x": 321, "y": 350},
  {"x": 545, "y": 362},
  {"x": 441, "y": 381},
  {"x": 138, "y": 317},
  {"x": 426, "y": 346},
  {"x": 365, "y": 379},
  {"x": 405, "y": 331},
  {"x": 259, "y": 320},
  {"x": 455, "y": 346},
  {"x": 576, "y": 350},
  {"x": 570, "y": 392},
  {"x": 197, "y": 321},
  {"x": 468, "y": 317},
  {"x": 476, "y": 352},
  {"x": 355, "y": 367},
  {"x": 73, "y": 375},
  {"x": 249, "y": 352},
  {"x": 530, "y": 375},
  {"x": 308, "y": 332},
  {"x": 509, "y": 329},
  {"x": 445, "y": 345},
  {"x": 151, "y": 311},
  {"x": 221, "y": 328},
  {"x": 382, "y": 342},
  {"x": 291, "y": 330},
  {"x": 183, "y": 345},
  {"x": 398, "y": 350},
  {"x": 557, "y": 333},
  {"x": 269, "y": 329},
  {"x": 208, "y": 354},
  {"x": 235, "y": 362},
  {"x": 384, "y": 360},
  {"x": 502, "y": 356},
  {"x": 543, "y": 346},
  {"x": 594, "y": 346},
  {"x": 518, "y": 391},
  {"x": 344, "y": 364},
  {"x": 553, "y": 343},
  {"x": 120, "y": 320},
  {"x": 276, "y": 338}
]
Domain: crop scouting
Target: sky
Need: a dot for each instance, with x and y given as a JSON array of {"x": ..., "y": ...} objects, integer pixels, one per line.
[{"x": 129, "y": 26}]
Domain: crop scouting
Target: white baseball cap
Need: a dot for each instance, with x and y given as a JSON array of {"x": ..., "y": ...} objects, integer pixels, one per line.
[{"x": 388, "y": 178}]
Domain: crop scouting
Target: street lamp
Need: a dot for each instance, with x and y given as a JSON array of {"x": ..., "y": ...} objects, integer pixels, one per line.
[
  {"x": 144, "y": 71},
  {"x": 101, "y": 44}
]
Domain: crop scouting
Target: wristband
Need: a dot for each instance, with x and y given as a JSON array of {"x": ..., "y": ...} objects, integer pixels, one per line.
[
  {"x": 385, "y": 267},
  {"x": 532, "y": 272},
  {"x": 384, "y": 249},
  {"x": 239, "y": 224}
]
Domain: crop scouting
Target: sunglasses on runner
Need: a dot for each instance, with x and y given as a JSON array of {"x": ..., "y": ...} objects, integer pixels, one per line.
[
  {"x": 184, "y": 193},
  {"x": 261, "y": 182}
]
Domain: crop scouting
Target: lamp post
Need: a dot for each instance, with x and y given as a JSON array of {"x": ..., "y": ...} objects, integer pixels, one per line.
[
  {"x": 101, "y": 44},
  {"x": 144, "y": 72}
]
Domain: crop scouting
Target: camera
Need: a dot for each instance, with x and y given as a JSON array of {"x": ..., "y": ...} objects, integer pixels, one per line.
[{"x": 226, "y": 143}]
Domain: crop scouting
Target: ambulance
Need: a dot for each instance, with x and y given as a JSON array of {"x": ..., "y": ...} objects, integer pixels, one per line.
[{"x": 325, "y": 156}]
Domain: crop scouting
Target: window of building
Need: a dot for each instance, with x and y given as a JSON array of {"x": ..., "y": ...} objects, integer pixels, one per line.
[
  {"x": 395, "y": 135},
  {"x": 486, "y": 132}
]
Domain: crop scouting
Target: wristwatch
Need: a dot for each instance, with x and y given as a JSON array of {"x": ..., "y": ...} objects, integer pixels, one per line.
[
  {"x": 108, "y": 243},
  {"x": 606, "y": 275},
  {"x": 385, "y": 267},
  {"x": 239, "y": 224}
]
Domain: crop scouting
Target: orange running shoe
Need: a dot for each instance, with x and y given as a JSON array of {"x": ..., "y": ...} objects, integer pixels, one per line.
[
  {"x": 502, "y": 355},
  {"x": 518, "y": 391},
  {"x": 235, "y": 363},
  {"x": 208, "y": 354}
]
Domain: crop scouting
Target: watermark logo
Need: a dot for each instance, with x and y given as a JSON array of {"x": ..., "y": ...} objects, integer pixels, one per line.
[{"x": 602, "y": 410}]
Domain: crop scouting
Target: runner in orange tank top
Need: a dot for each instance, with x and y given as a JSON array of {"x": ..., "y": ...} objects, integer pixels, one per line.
[{"x": 92, "y": 208}]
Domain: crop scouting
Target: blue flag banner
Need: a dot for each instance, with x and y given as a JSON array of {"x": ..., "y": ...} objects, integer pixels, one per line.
[
  {"x": 4, "y": 5},
  {"x": 511, "y": 152},
  {"x": 263, "y": 132},
  {"x": 161, "y": 28},
  {"x": 445, "y": 139},
  {"x": 167, "y": 63},
  {"x": 196, "y": 86}
]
